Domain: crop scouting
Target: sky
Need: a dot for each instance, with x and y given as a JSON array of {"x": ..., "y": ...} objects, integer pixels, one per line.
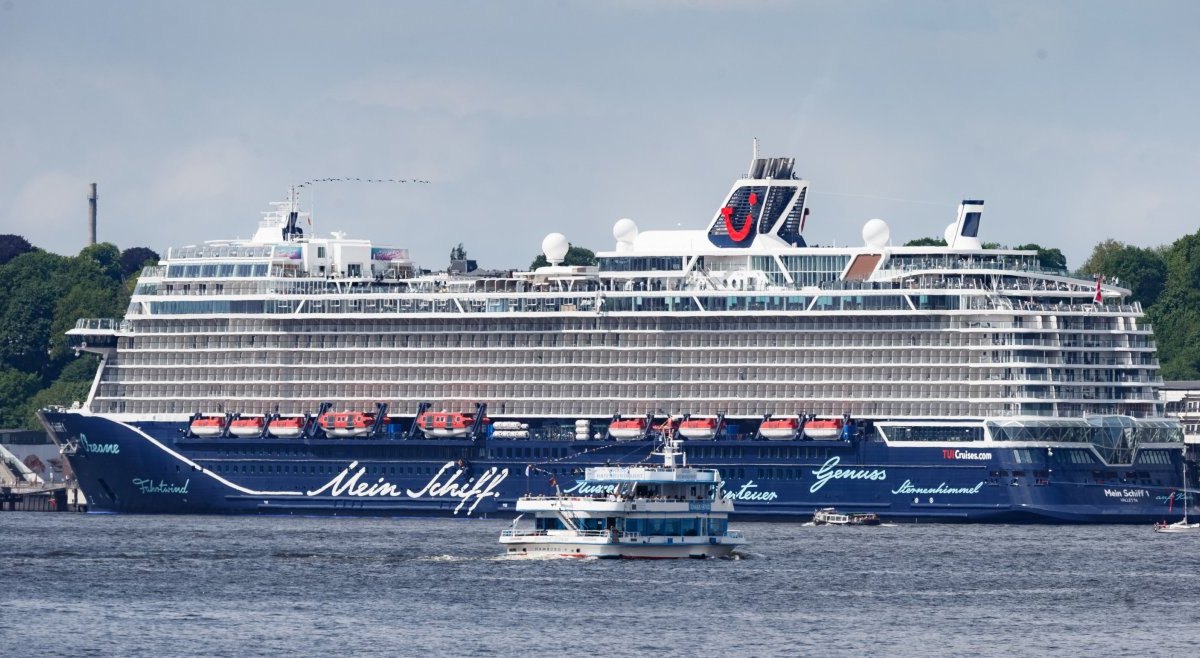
[{"x": 1076, "y": 122}]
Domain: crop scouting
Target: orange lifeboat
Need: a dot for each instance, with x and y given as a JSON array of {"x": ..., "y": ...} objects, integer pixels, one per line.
[
  {"x": 823, "y": 429},
  {"x": 699, "y": 427},
  {"x": 627, "y": 428},
  {"x": 286, "y": 428},
  {"x": 208, "y": 426},
  {"x": 247, "y": 427},
  {"x": 344, "y": 424},
  {"x": 780, "y": 427},
  {"x": 445, "y": 424}
]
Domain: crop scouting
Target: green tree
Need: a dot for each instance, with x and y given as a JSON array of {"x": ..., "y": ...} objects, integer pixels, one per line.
[
  {"x": 41, "y": 296},
  {"x": 458, "y": 253},
  {"x": 1176, "y": 313},
  {"x": 29, "y": 287},
  {"x": 926, "y": 242},
  {"x": 135, "y": 258},
  {"x": 1142, "y": 271},
  {"x": 1051, "y": 259},
  {"x": 12, "y": 246},
  {"x": 15, "y": 388},
  {"x": 575, "y": 256}
]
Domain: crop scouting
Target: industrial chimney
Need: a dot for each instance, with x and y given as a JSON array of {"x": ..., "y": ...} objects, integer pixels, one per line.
[{"x": 92, "y": 216}]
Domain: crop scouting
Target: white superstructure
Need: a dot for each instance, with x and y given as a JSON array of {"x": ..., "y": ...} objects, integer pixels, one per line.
[{"x": 741, "y": 318}]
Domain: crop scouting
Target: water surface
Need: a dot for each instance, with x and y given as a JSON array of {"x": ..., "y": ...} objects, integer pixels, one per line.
[{"x": 239, "y": 586}]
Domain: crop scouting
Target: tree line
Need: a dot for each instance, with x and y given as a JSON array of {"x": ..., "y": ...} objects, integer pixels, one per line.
[{"x": 41, "y": 296}]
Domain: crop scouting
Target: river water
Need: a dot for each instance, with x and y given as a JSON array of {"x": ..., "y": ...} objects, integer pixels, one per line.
[{"x": 103, "y": 585}]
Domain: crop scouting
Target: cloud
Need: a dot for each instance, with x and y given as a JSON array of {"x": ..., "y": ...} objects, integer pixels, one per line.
[
  {"x": 203, "y": 171},
  {"x": 50, "y": 210},
  {"x": 458, "y": 95}
]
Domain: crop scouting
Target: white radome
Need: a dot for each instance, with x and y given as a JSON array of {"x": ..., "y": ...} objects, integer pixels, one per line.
[
  {"x": 876, "y": 233},
  {"x": 949, "y": 234},
  {"x": 555, "y": 247},
  {"x": 625, "y": 230}
]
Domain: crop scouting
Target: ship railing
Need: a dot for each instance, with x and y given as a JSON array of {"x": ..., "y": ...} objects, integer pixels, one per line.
[
  {"x": 956, "y": 262},
  {"x": 101, "y": 324},
  {"x": 513, "y": 532},
  {"x": 221, "y": 251}
]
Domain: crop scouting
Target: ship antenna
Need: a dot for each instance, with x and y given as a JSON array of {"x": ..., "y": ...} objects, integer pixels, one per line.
[{"x": 753, "y": 158}]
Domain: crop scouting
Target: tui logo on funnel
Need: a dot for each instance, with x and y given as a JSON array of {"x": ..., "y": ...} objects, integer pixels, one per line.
[{"x": 739, "y": 219}]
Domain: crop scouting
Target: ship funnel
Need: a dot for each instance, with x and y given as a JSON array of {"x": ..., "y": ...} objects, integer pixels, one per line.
[{"x": 964, "y": 232}]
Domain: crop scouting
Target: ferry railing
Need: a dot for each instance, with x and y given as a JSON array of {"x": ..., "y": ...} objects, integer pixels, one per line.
[{"x": 512, "y": 532}]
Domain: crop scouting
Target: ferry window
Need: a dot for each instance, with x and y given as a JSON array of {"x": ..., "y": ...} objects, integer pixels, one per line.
[{"x": 320, "y": 252}]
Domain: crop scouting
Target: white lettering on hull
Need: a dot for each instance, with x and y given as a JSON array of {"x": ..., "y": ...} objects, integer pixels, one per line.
[
  {"x": 829, "y": 471},
  {"x": 472, "y": 490}
]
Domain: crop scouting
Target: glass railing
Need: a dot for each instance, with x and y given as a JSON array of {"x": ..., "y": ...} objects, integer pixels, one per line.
[{"x": 101, "y": 324}]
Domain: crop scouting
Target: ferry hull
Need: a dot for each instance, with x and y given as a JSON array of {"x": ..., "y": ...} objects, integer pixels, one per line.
[
  {"x": 618, "y": 550},
  {"x": 153, "y": 467}
]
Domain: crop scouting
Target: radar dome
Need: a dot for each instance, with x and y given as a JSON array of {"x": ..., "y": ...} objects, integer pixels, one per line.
[
  {"x": 876, "y": 233},
  {"x": 625, "y": 230},
  {"x": 555, "y": 247}
]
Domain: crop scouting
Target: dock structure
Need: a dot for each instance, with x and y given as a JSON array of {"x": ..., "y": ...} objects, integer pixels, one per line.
[
  {"x": 22, "y": 490},
  {"x": 52, "y": 498}
]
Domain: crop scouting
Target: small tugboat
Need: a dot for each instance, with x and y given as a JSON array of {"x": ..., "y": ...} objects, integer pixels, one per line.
[
  {"x": 830, "y": 516},
  {"x": 668, "y": 511}
]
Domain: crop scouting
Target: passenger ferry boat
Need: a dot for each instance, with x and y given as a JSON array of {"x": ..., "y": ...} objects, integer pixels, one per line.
[
  {"x": 830, "y": 516},
  {"x": 668, "y": 511},
  {"x": 949, "y": 383}
]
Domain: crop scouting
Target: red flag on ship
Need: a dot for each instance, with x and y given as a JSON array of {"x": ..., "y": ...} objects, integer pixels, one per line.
[{"x": 1098, "y": 298}]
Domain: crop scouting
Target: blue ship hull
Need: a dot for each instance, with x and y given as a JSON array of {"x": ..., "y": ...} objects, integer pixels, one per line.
[{"x": 154, "y": 467}]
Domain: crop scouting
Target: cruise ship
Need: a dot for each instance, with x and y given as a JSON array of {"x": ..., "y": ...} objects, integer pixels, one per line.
[{"x": 293, "y": 373}]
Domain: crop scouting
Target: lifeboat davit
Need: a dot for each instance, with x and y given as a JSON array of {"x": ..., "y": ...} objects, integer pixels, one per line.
[
  {"x": 699, "y": 427},
  {"x": 784, "y": 427},
  {"x": 247, "y": 427},
  {"x": 627, "y": 428},
  {"x": 286, "y": 428},
  {"x": 823, "y": 429},
  {"x": 344, "y": 424},
  {"x": 445, "y": 424},
  {"x": 208, "y": 426}
]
